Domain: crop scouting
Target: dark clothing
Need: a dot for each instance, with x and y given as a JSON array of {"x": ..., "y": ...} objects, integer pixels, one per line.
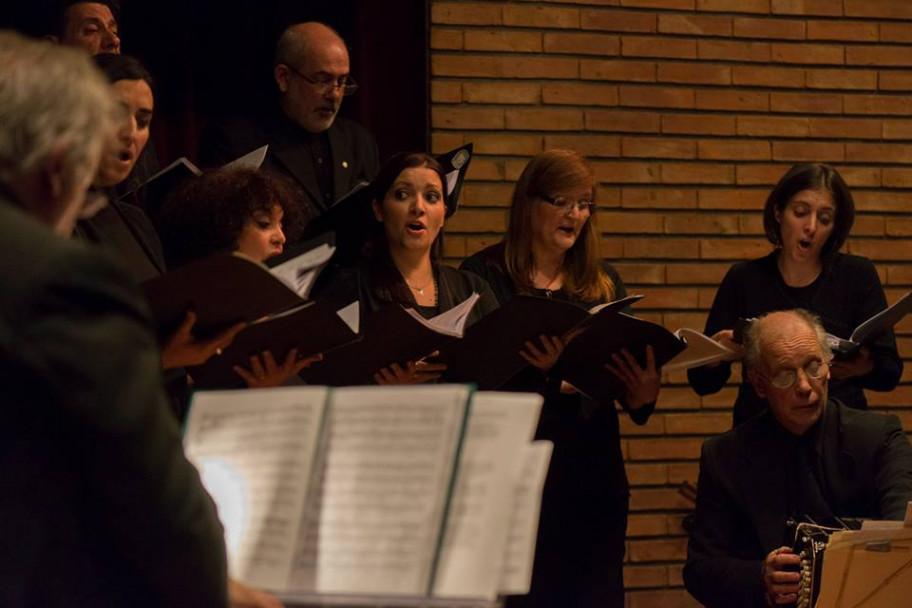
[
  {"x": 342, "y": 284},
  {"x": 453, "y": 287},
  {"x": 326, "y": 166},
  {"x": 846, "y": 294},
  {"x": 751, "y": 481},
  {"x": 98, "y": 505},
  {"x": 580, "y": 548},
  {"x": 124, "y": 230}
]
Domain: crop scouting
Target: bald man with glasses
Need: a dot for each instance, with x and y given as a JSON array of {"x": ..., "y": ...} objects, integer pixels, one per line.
[
  {"x": 805, "y": 456},
  {"x": 326, "y": 155}
]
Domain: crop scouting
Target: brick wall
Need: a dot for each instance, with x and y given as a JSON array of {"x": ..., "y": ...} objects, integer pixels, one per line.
[{"x": 690, "y": 110}]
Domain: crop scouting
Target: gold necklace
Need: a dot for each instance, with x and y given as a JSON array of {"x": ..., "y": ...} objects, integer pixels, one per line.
[{"x": 421, "y": 289}]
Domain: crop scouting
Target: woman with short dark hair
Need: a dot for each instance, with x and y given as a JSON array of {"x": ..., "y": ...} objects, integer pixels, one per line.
[
  {"x": 807, "y": 217},
  {"x": 225, "y": 210}
]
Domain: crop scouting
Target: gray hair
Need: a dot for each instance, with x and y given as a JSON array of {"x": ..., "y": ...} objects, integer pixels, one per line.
[
  {"x": 51, "y": 98},
  {"x": 753, "y": 355}
]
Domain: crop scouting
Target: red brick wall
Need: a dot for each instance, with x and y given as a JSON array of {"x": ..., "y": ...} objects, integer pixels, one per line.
[{"x": 689, "y": 110}]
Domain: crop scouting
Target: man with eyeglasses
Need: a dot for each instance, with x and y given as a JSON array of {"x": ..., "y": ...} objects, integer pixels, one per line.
[
  {"x": 324, "y": 154},
  {"x": 805, "y": 456}
]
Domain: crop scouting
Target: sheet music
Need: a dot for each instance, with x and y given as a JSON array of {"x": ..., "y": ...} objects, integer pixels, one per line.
[
  {"x": 869, "y": 569},
  {"x": 351, "y": 314},
  {"x": 300, "y": 272},
  {"x": 180, "y": 161},
  {"x": 252, "y": 160},
  {"x": 451, "y": 322},
  {"x": 501, "y": 426},
  {"x": 617, "y": 304},
  {"x": 884, "y": 319},
  {"x": 255, "y": 452},
  {"x": 374, "y": 522},
  {"x": 516, "y": 575},
  {"x": 701, "y": 350}
]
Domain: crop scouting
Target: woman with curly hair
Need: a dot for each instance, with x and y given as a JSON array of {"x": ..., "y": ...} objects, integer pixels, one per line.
[{"x": 248, "y": 211}]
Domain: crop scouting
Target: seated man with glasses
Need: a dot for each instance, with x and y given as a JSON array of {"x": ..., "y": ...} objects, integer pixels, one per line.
[
  {"x": 325, "y": 155},
  {"x": 805, "y": 456}
]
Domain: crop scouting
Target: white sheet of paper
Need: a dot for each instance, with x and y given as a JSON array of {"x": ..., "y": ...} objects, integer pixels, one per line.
[
  {"x": 501, "y": 426},
  {"x": 255, "y": 453},
  {"x": 374, "y": 522},
  {"x": 300, "y": 271},
  {"x": 251, "y": 160},
  {"x": 701, "y": 350},
  {"x": 516, "y": 576},
  {"x": 451, "y": 322}
]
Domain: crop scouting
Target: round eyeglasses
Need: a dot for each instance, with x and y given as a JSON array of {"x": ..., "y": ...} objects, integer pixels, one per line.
[
  {"x": 325, "y": 83},
  {"x": 815, "y": 370},
  {"x": 565, "y": 204}
]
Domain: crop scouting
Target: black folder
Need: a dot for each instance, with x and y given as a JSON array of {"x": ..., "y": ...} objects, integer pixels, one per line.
[
  {"x": 488, "y": 355},
  {"x": 583, "y": 362},
  {"x": 390, "y": 335},
  {"x": 312, "y": 328},
  {"x": 222, "y": 290}
]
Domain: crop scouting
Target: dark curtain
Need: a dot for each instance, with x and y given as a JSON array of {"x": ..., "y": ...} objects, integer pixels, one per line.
[{"x": 211, "y": 58}]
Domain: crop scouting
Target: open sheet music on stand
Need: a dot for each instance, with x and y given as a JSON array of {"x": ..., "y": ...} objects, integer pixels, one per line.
[
  {"x": 868, "y": 568},
  {"x": 370, "y": 495}
]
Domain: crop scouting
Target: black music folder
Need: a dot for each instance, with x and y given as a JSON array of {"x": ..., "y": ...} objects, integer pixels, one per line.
[
  {"x": 583, "y": 362},
  {"x": 312, "y": 328},
  {"x": 488, "y": 355},
  {"x": 227, "y": 288},
  {"x": 393, "y": 334},
  {"x": 152, "y": 193}
]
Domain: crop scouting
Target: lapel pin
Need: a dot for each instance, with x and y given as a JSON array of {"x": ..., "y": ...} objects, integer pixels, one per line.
[{"x": 345, "y": 164}]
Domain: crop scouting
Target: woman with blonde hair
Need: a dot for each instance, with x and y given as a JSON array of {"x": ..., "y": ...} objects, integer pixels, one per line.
[{"x": 551, "y": 249}]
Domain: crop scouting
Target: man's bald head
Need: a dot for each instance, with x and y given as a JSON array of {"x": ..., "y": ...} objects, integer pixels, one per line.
[
  {"x": 301, "y": 39},
  {"x": 777, "y": 325},
  {"x": 311, "y": 67},
  {"x": 787, "y": 361}
]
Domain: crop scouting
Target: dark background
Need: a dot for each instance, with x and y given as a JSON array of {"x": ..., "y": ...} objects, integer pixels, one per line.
[{"x": 212, "y": 58}]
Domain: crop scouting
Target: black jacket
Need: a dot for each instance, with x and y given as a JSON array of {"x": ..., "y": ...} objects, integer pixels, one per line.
[
  {"x": 743, "y": 497},
  {"x": 355, "y": 156},
  {"x": 98, "y": 505}
]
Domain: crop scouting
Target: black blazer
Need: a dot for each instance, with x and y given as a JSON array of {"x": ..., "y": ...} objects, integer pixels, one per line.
[
  {"x": 355, "y": 156},
  {"x": 98, "y": 505},
  {"x": 742, "y": 494}
]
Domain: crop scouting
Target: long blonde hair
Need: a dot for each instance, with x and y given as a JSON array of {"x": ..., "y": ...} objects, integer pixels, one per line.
[{"x": 547, "y": 174}]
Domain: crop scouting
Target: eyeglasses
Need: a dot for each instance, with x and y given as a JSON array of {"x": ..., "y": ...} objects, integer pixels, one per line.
[
  {"x": 565, "y": 204},
  {"x": 325, "y": 84},
  {"x": 815, "y": 370}
]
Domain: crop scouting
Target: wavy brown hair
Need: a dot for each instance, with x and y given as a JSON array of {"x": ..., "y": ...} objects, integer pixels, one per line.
[{"x": 549, "y": 174}]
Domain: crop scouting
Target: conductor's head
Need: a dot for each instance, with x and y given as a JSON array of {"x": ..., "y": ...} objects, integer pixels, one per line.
[{"x": 56, "y": 111}]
